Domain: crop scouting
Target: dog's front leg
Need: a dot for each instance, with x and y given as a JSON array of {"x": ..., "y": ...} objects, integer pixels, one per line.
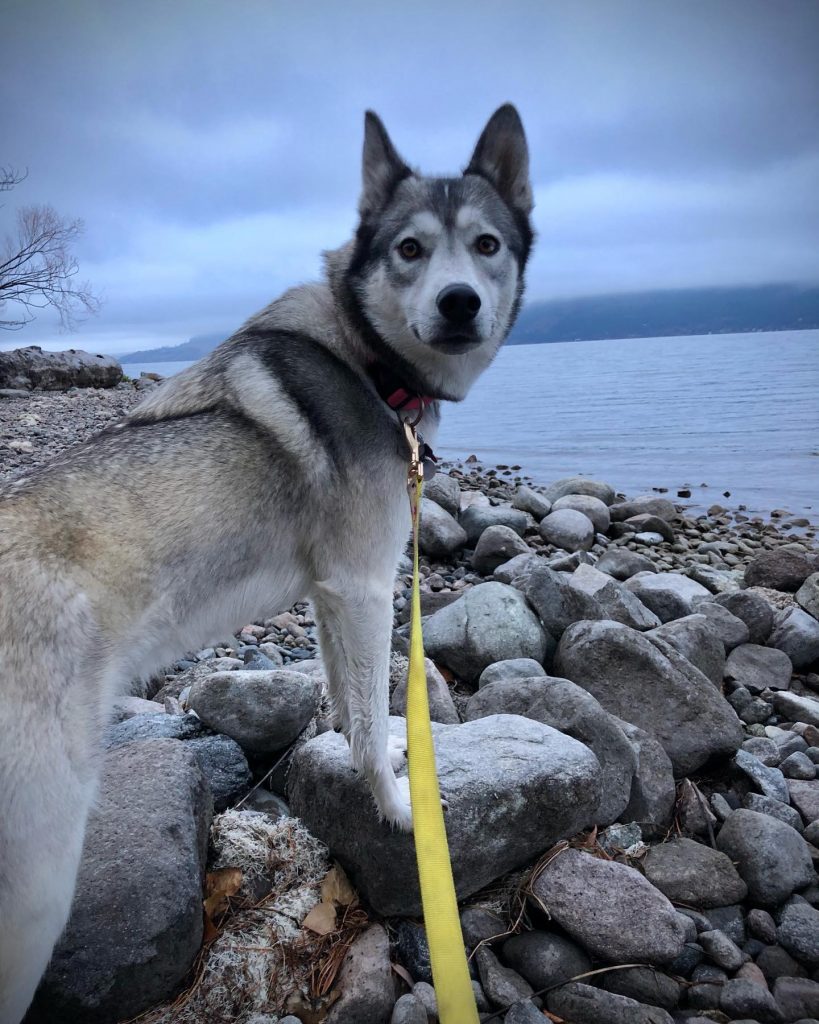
[{"x": 354, "y": 616}]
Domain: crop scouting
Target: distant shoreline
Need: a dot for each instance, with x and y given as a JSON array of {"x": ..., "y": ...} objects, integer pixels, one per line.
[{"x": 172, "y": 355}]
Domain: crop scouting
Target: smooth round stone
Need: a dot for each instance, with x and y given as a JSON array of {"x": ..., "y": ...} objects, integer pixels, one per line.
[
  {"x": 568, "y": 529},
  {"x": 590, "y": 506}
]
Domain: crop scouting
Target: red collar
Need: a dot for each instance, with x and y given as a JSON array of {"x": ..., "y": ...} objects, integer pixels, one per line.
[{"x": 394, "y": 393}]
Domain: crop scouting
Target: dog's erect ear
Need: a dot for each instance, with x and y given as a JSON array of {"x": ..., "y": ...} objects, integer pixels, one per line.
[
  {"x": 502, "y": 157},
  {"x": 382, "y": 167}
]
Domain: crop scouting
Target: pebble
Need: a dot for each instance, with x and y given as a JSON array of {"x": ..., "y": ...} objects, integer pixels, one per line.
[{"x": 722, "y": 951}]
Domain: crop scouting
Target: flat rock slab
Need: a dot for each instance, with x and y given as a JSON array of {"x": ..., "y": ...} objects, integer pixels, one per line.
[
  {"x": 651, "y": 685},
  {"x": 615, "y": 600},
  {"x": 584, "y": 1004},
  {"x": 693, "y": 874},
  {"x": 491, "y": 622},
  {"x": 797, "y": 708},
  {"x": 136, "y": 921},
  {"x": 667, "y": 594},
  {"x": 759, "y": 668},
  {"x": 528, "y": 786},
  {"x": 598, "y": 902}
]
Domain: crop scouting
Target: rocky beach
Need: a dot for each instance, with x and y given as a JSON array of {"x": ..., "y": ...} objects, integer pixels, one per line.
[{"x": 625, "y": 697}]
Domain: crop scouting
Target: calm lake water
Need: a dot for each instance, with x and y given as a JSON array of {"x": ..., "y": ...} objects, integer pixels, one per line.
[{"x": 735, "y": 412}]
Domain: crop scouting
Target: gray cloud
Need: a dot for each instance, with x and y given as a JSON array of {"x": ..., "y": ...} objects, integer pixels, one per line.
[{"x": 213, "y": 149}]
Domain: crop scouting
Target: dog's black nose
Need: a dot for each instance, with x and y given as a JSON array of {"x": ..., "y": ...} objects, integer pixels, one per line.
[{"x": 458, "y": 303}]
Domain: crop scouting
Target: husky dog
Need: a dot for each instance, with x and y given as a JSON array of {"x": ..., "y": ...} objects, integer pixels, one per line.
[{"x": 271, "y": 470}]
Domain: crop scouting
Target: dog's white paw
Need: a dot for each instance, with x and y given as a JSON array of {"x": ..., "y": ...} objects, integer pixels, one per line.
[
  {"x": 396, "y": 808},
  {"x": 397, "y": 752}
]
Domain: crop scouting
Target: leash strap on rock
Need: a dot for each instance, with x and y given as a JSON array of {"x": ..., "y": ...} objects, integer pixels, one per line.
[{"x": 450, "y": 973}]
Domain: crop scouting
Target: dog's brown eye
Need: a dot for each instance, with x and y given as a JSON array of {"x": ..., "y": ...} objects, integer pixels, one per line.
[
  {"x": 410, "y": 249},
  {"x": 487, "y": 245}
]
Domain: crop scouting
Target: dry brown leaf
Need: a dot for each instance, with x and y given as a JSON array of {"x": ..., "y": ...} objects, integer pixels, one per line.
[
  {"x": 336, "y": 888},
  {"x": 220, "y": 886},
  {"x": 402, "y": 972},
  {"x": 209, "y": 932},
  {"x": 321, "y": 919}
]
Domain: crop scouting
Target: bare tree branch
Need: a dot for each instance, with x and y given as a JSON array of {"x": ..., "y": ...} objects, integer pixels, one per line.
[{"x": 38, "y": 268}]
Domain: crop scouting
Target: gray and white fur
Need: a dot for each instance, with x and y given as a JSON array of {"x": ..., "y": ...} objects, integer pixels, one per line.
[{"x": 270, "y": 471}]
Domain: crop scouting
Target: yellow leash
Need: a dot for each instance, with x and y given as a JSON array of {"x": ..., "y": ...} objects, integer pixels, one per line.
[{"x": 450, "y": 974}]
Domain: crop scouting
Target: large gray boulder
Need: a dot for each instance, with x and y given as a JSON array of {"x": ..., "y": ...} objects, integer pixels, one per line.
[
  {"x": 771, "y": 857},
  {"x": 491, "y": 622},
  {"x": 753, "y": 609},
  {"x": 136, "y": 920},
  {"x": 731, "y": 630},
  {"x": 651, "y": 685},
  {"x": 263, "y": 711},
  {"x": 780, "y": 569},
  {"x": 797, "y": 634},
  {"x": 693, "y": 874},
  {"x": 646, "y": 504},
  {"x": 693, "y": 637},
  {"x": 439, "y": 533},
  {"x": 598, "y": 903},
  {"x": 531, "y": 501},
  {"x": 622, "y": 564},
  {"x": 565, "y": 706},
  {"x": 667, "y": 594},
  {"x": 518, "y": 568},
  {"x": 477, "y": 518},
  {"x": 529, "y": 786},
  {"x": 557, "y": 603},
  {"x": 497, "y": 545},
  {"x": 445, "y": 491},
  {"x": 759, "y": 668},
  {"x": 615, "y": 601},
  {"x": 580, "y": 485},
  {"x": 568, "y": 529},
  {"x": 31, "y": 367}
]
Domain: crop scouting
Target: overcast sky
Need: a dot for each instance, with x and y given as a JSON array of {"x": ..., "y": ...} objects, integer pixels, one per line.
[{"x": 213, "y": 148}]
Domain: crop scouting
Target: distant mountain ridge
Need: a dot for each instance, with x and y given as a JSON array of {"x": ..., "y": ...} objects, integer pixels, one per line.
[
  {"x": 635, "y": 315},
  {"x": 664, "y": 314}
]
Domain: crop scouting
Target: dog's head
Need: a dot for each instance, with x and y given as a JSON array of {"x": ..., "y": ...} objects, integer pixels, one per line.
[{"x": 436, "y": 274}]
